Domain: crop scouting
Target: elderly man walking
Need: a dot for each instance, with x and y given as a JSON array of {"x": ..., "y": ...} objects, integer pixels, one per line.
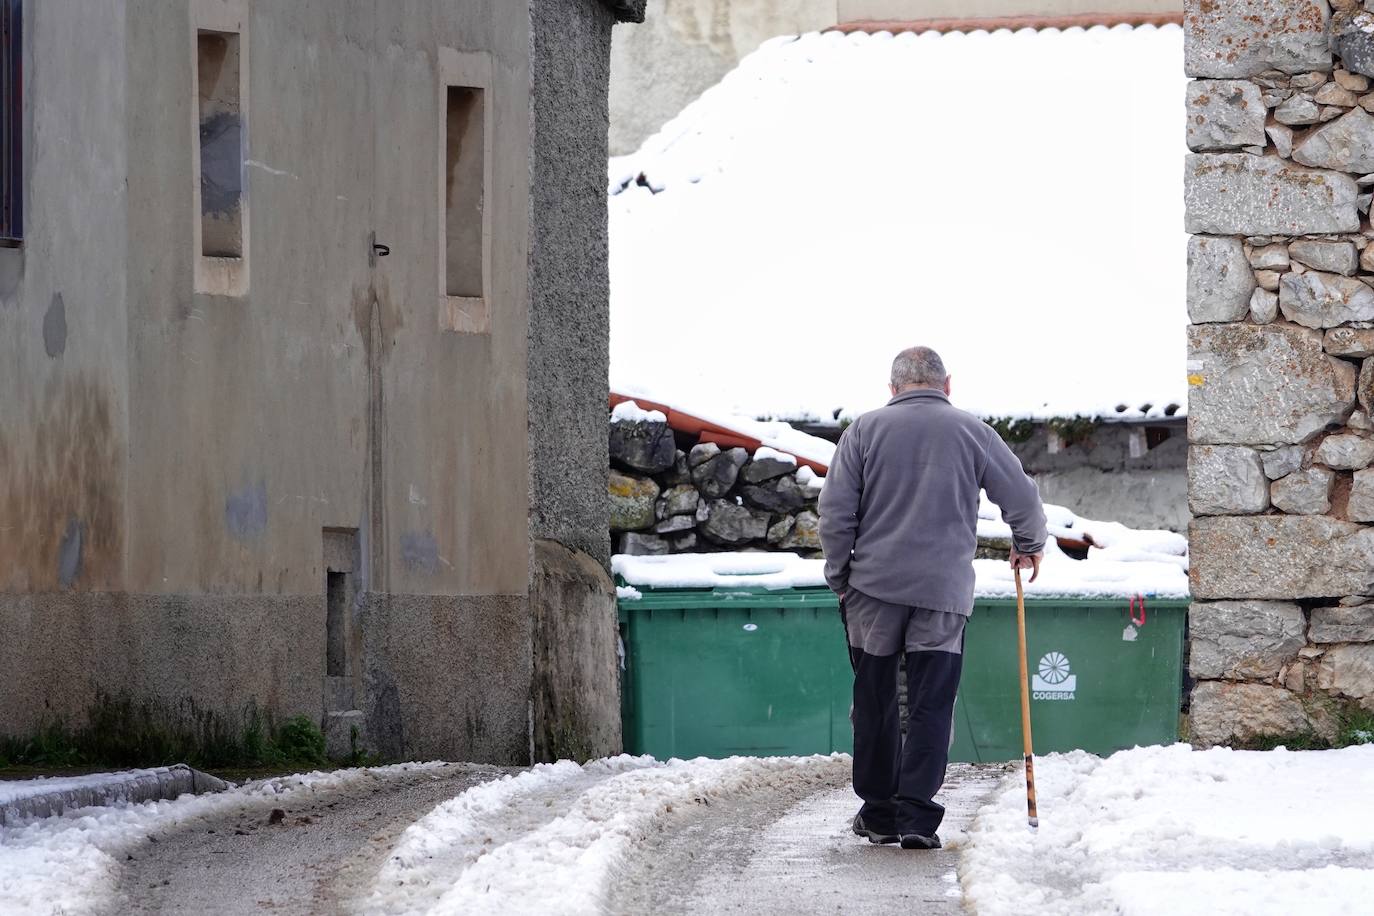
[{"x": 899, "y": 517}]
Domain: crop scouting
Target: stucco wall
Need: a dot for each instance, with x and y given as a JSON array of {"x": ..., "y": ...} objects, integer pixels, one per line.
[
  {"x": 684, "y": 47},
  {"x": 1098, "y": 478},
  {"x": 199, "y": 473}
]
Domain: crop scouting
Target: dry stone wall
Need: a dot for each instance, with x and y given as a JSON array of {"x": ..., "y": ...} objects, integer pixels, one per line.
[
  {"x": 664, "y": 499},
  {"x": 1280, "y": 291}
]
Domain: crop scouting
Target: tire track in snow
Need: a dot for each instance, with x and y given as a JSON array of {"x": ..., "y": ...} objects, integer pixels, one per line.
[{"x": 552, "y": 839}]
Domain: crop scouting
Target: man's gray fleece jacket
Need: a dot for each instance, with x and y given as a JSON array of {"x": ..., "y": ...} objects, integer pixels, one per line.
[{"x": 899, "y": 512}]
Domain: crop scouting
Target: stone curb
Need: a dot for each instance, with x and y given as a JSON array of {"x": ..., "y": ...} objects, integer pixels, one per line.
[{"x": 132, "y": 787}]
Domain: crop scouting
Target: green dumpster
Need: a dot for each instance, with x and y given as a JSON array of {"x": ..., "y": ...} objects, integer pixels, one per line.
[{"x": 716, "y": 672}]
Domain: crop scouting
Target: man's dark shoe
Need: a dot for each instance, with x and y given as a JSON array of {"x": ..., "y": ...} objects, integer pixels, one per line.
[
  {"x": 916, "y": 841},
  {"x": 873, "y": 836}
]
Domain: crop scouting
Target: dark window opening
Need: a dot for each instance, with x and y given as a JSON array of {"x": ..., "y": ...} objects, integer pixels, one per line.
[
  {"x": 11, "y": 122},
  {"x": 221, "y": 145},
  {"x": 336, "y": 609},
  {"x": 1155, "y": 435},
  {"x": 464, "y": 173}
]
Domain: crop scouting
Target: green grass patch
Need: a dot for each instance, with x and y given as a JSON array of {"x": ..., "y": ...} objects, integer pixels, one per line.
[{"x": 126, "y": 733}]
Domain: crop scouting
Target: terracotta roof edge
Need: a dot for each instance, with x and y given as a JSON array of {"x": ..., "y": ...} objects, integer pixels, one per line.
[{"x": 993, "y": 23}]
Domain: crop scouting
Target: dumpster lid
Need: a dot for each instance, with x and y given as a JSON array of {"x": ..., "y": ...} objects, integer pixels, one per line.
[{"x": 1118, "y": 571}]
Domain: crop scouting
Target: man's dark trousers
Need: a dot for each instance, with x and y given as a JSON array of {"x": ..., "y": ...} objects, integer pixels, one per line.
[{"x": 898, "y": 780}]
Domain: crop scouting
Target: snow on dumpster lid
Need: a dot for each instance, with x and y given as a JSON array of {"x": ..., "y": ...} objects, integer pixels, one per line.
[{"x": 837, "y": 197}]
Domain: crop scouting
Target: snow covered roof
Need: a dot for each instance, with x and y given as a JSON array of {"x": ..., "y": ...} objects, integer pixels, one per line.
[
  {"x": 728, "y": 430},
  {"x": 1122, "y": 563},
  {"x": 1012, "y": 199}
]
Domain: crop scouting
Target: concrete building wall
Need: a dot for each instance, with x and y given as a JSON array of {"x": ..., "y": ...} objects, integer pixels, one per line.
[
  {"x": 1105, "y": 477},
  {"x": 684, "y": 47},
  {"x": 174, "y": 473}
]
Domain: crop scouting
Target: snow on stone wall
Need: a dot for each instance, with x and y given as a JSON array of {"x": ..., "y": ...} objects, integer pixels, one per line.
[{"x": 1281, "y": 363}]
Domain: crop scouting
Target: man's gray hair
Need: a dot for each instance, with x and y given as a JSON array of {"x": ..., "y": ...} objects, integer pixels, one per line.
[{"x": 918, "y": 367}]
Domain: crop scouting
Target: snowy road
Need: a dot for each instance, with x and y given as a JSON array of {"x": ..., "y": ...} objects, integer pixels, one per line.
[{"x": 794, "y": 854}]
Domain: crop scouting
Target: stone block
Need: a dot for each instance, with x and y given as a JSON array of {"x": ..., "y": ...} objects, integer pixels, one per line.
[
  {"x": 1225, "y": 712},
  {"x": 805, "y": 534},
  {"x": 1241, "y": 194},
  {"x": 761, "y": 470},
  {"x": 1269, "y": 257},
  {"x": 638, "y": 544},
  {"x": 1242, "y": 38},
  {"x": 1345, "y": 144},
  {"x": 1280, "y": 557},
  {"x": 643, "y": 445},
  {"x": 1345, "y": 452},
  {"x": 1219, "y": 279},
  {"x": 1342, "y": 624},
  {"x": 1282, "y": 461},
  {"x": 716, "y": 475},
  {"x": 1353, "y": 40},
  {"x": 1321, "y": 300},
  {"x": 1297, "y": 111},
  {"x": 1224, "y": 114},
  {"x": 631, "y": 500},
  {"x": 1304, "y": 492},
  {"x": 1269, "y": 384},
  {"x": 1349, "y": 342},
  {"x": 344, "y": 734},
  {"x": 780, "y": 495},
  {"x": 733, "y": 525},
  {"x": 1244, "y": 639},
  {"x": 1264, "y": 306},
  {"x": 1282, "y": 138},
  {"x": 1359, "y": 506},
  {"x": 1226, "y": 480},
  {"x": 1332, "y": 257},
  {"x": 679, "y": 500},
  {"x": 1348, "y": 670}
]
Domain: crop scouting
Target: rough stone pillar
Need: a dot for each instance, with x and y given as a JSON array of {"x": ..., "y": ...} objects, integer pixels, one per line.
[
  {"x": 575, "y": 706},
  {"x": 1281, "y": 364}
]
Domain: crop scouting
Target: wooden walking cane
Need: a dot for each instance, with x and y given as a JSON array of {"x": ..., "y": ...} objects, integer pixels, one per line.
[{"x": 1033, "y": 819}]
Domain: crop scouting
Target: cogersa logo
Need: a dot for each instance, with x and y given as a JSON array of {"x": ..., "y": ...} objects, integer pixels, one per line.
[{"x": 1053, "y": 680}]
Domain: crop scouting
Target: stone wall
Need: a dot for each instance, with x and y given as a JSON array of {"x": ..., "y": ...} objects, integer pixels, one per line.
[
  {"x": 664, "y": 499},
  {"x": 1281, "y": 364}
]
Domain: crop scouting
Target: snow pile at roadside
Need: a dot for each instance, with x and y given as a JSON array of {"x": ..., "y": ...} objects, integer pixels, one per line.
[
  {"x": 1179, "y": 831},
  {"x": 12, "y": 791},
  {"x": 1126, "y": 562},
  {"x": 838, "y": 197},
  {"x": 456, "y": 859},
  {"x": 67, "y": 864}
]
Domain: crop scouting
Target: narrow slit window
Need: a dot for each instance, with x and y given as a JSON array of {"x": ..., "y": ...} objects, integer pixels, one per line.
[
  {"x": 464, "y": 174},
  {"x": 335, "y": 621},
  {"x": 11, "y": 123},
  {"x": 221, "y": 145}
]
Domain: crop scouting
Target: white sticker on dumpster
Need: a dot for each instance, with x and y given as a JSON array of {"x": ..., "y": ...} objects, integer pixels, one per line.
[{"x": 1053, "y": 679}]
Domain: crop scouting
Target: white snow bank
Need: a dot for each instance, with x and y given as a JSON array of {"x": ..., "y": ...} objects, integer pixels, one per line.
[
  {"x": 12, "y": 791},
  {"x": 68, "y": 864},
  {"x": 450, "y": 861},
  {"x": 1129, "y": 562},
  {"x": 837, "y": 197},
  {"x": 630, "y": 412},
  {"x": 1174, "y": 830}
]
